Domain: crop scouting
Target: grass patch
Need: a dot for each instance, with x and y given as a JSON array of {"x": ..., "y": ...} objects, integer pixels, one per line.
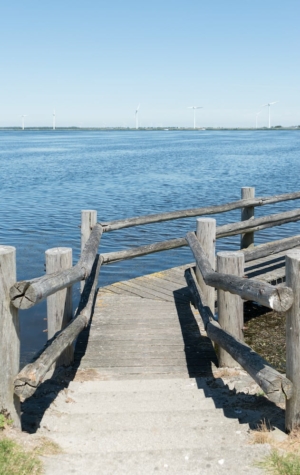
[
  {"x": 5, "y": 420},
  {"x": 281, "y": 464},
  {"x": 15, "y": 461},
  {"x": 47, "y": 447},
  {"x": 262, "y": 434}
]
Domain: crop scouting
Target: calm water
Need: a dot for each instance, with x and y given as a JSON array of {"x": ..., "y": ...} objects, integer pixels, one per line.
[{"x": 48, "y": 177}]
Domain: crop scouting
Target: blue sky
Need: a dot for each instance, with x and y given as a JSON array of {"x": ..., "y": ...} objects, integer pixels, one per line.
[{"x": 95, "y": 61}]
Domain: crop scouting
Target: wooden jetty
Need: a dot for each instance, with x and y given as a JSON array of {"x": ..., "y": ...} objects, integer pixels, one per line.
[{"x": 160, "y": 326}]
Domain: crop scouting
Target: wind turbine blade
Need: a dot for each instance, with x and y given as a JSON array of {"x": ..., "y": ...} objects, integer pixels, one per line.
[
  {"x": 264, "y": 105},
  {"x": 274, "y": 102}
]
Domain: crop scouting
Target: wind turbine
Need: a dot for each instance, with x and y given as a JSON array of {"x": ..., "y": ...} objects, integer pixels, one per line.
[
  {"x": 23, "y": 122},
  {"x": 137, "y": 117},
  {"x": 53, "y": 120},
  {"x": 257, "y": 114},
  {"x": 195, "y": 107},
  {"x": 269, "y": 104}
]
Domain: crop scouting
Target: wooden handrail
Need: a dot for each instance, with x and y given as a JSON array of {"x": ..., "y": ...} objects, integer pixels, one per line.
[
  {"x": 277, "y": 298},
  {"x": 27, "y": 293},
  {"x": 274, "y": 384},
  {"x": 31, "y": 376},
  {"x": 269, "y": 248},
  {"x": 188, "y": 213},
  {"x": 258, "y": 224}
]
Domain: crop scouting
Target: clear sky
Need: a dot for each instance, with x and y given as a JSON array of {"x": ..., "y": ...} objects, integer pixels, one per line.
[{"x": 95, "y": 61}]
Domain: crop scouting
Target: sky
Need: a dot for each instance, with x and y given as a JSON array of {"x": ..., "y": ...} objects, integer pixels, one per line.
[{"x": 93, "y": 62}]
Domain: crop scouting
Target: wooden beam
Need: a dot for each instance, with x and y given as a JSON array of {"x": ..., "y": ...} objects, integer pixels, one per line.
[
  {"x": 277, "y": 298},
  {"x": 110, "y": 257},
  {"x": 188, "y": 213},
  {"x": 292, "y": 415},
  {"x": 9, "y": 336},
  {"x": 230, "y": 306},
  {"x": 275, "y": 385},
  {"x": 270, "y": 248},
  {"x": 206, "y": 235},
  {"x": 258, "y": 224},
  {"x": 31, "y": 376},
  {"x": 59, "y": 305},
  {"x": 88, "y": 221},
  {"x": 27, "y": 293}
]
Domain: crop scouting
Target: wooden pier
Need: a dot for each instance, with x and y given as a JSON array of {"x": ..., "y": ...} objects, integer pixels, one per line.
[
  {"x": 145, "y": 347},
  {"x": 146, "y": 327}
]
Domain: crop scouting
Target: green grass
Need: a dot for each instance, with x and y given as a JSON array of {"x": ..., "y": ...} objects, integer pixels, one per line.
[
  {"x": 277, "y": 464},
  {"x": 15, "y": 461}
]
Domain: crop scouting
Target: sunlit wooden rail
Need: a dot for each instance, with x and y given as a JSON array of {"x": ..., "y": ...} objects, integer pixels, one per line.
[{"x": 233, "y": 280}]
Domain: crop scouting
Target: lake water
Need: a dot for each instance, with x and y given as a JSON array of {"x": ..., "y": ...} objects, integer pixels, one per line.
[{"x": 47, "y": 177}]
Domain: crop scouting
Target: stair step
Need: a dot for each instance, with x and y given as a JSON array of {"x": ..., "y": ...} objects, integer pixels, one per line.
[
  {"x": 165, "y": 462},
  {"x": 150, "y": 401},
  {"x": 175, "y": 384},
  {"x": 202, "y": 438},
  {"x": 156, "y": 421}
]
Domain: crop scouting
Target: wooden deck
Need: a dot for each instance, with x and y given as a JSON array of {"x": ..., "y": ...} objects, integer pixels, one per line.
[{"x": 147, "y": 327}]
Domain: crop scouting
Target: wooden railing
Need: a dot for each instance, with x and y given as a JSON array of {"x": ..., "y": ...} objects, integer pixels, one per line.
[{"x": 56, "y": 286}]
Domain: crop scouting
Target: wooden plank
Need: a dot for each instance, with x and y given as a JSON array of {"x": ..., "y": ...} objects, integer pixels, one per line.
[{"x": 132, "y": 287}]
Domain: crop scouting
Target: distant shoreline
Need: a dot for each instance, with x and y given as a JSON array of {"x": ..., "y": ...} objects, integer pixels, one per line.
[{"x": 149, "y": 129}]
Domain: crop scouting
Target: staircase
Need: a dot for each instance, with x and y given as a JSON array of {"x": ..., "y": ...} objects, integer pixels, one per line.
[{"x": 141, "y": 427}]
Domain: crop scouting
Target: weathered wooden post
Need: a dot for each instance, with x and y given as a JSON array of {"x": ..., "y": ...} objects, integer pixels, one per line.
[
  {"x": 9, "y": 336},
  {"x": 292, "y": 414},
  {"x": 206, "y": 235},
  {"x": 230, "y": 306},
  {"x": 59, "y": 305},
  {"x": 247, "y": 239},
  {"x": 88, "y": 221}
]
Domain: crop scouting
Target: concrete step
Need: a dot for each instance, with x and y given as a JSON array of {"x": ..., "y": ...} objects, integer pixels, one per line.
[
  {"x": 150, "y": 401},
  {"x": 153, "y": 421},
  {"x": 203, "y": 437},
  {"x": 218, "y": 460},
  {"x": 175, "y": 384}
]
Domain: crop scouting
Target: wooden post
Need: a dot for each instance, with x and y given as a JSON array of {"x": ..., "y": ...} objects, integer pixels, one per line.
[
  {"x": 206, "y": 235},
  {"x": 247, "y": 239},
  {"x": 230, "y": 306},
  {"x": 59, "y": 305},
  {"x": 9, "y": 337},
  {"x": 88, "y": 221},
  {"x": 292, "y": 414}
]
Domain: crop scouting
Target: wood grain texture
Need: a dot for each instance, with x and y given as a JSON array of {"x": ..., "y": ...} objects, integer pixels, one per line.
[
  {"x": 88, "y": 221},
  {"x": 9, "y": 336},
  {"x": 275, "y": 385},
  {"x": 27, "y": 293},
  {"x": 206, "y": 235},
  {"x": 257, "y": 224},
  {"x": 292, "y": 416},
  {"x": 59, "y": 305},
  {"x": 136, "y": 336},
  {"x": 230, "y": 306},
  {"x": 277, "y": 298},
  {"x": 157, "y": 218},
  {"x": 31, "y": 376}
]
